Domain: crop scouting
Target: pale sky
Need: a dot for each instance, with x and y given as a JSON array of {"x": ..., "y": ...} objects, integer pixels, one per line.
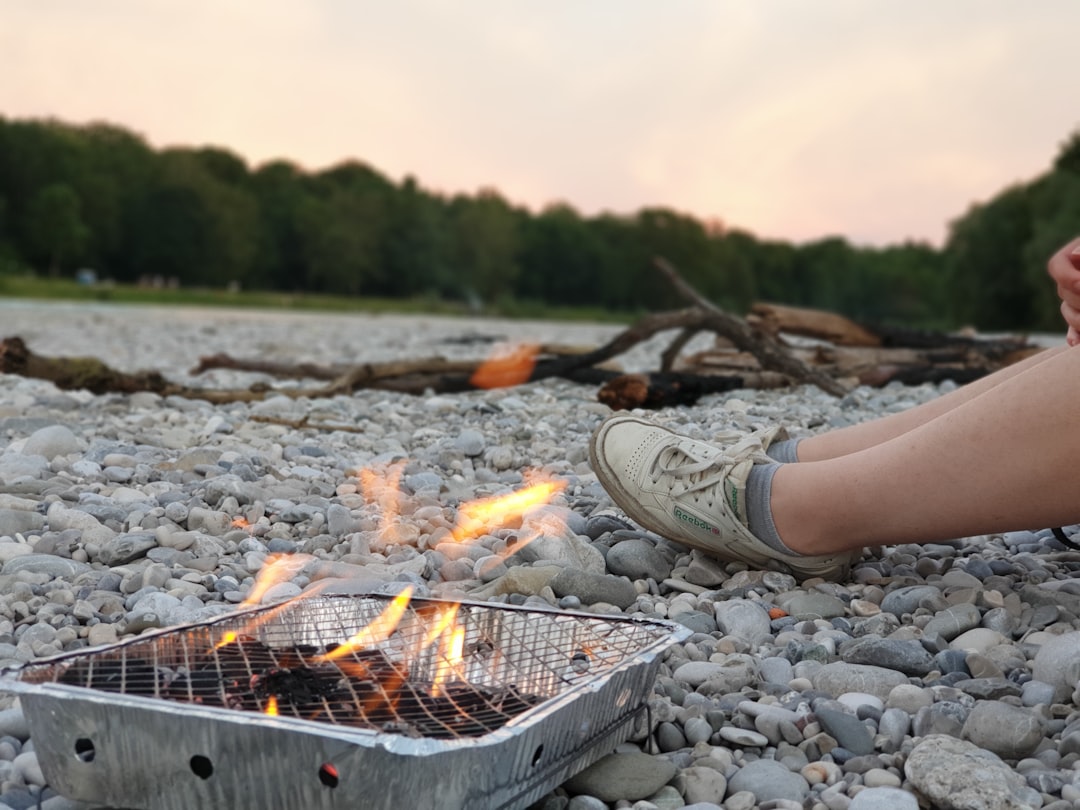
[{"x": 794, "y": 119}]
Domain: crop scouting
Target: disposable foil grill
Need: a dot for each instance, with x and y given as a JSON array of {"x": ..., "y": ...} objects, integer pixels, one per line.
[{"x": 275, "y": 706}]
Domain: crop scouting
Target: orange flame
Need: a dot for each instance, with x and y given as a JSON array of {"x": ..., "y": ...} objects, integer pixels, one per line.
[
  {"x": 508, "y": 365},
  {"x": 278, "y": 568},
  {"x": 381, "y": 488},
  {"x": 240, "y": 522},
  {"x": 475, "y": 516},
  {"x": 228, "y": 638},
  {"x": 378, "y": 630},
  {"x": 451, "y": 654},
  {"x": 387, "y": 694},
  {"x": 445, "y": 619},
  {"x": 271, "y": 706}
]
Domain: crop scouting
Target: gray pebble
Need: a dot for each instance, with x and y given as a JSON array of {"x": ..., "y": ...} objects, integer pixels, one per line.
[
  {"x": 638, "y": 559},
  {"x": 47, "y": 564},
  {"x": 986, "y": 720},
  {"x": 769, "y": 780},
  {"x": 743, "y": 618},
  {"x": 52, "y": 441},
  {"x": 908, "y": 657},
  {"x": 470, "y": 442},
  {"x": 743, "y": 737},
  {"x": 847, "y": 729},
  {"x": 13, "y": 724},
  {"x": 884, "y": 798},
  {"x": 628, "y": 776},
  {"x": 592, "y": 588}
]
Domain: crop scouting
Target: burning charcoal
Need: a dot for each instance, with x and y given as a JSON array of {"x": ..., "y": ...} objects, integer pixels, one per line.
[
  {"x": 366, "y": 663},
  {"x": 299, "y": 686}
]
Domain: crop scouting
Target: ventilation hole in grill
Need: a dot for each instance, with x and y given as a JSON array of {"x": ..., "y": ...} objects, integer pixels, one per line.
[
  {"x": 539, "y": 752},
  {"x": 328, "y": 775},
  {"x": 202, "y": 767},
  {"x": 84, "y": 749}
]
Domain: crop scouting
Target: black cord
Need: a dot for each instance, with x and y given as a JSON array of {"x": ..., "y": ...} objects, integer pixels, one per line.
[{"x": 1059, "y": 533}]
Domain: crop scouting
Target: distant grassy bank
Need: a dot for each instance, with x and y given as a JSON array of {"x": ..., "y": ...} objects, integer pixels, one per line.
[{"x": 32, "y": 287}]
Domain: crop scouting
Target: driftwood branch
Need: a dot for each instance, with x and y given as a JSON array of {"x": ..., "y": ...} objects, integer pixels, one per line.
[
  {"x": 674, "y": 349},
  {"x": 750, "y": 353},
  {"x": 766, "y": 348},
  {"x": 406, "y": 376}
]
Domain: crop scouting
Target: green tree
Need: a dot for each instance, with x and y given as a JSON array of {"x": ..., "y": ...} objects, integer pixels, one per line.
[
  {"x": 904, "y": 285},
  {"x": 623, "y": 261},
  {"x": 826, "y": 275},
  {"x": 416, "y": 243},
  {"x": 681, "y": 240},
  {"x": 775, "y": 271},
  {"x": 561, "y": 258},
  {"x": 1055, "y": 214},
  {"x": 280, "y": 192},
  {"x": 55, "y": 225},
  {"x": 732, "y": 254},
  {"x": 1068, "y": 159},
  {"x": 223, "y": 219},
  {"x": 172, "y": 234},
  {"x": 486, "y": 241},
  {"x": 985, "y": 260},
  {"x": 110, "y": 172},
  {"x": 341, "y": 222}
]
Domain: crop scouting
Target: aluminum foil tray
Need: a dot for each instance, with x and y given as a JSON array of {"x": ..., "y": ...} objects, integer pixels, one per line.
[{"x": 135, "y": 725}]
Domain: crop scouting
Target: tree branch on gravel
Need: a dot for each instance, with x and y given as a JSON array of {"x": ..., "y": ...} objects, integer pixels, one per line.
[{"x": 749, "y": 353}]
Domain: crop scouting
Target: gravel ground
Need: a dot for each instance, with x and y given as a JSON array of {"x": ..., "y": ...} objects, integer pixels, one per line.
[{"x": 936, "y": 676}]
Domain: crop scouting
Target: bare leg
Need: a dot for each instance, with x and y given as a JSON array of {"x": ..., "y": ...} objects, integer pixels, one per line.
[
  {"x": 867, "y": 434},
  {"x": 1000, "y": 459}
]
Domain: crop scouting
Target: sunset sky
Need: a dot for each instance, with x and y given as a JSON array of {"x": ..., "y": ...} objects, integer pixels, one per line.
[{"x": 795, "y": 119}]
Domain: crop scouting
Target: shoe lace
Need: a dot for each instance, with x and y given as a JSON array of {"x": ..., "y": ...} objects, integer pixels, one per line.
[{"x": 698, "y": 472}]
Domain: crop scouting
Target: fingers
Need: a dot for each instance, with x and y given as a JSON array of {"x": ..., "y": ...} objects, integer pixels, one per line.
[
  {"x": 1064, "y": 269},
  {"x": 1072, "y": 320}
]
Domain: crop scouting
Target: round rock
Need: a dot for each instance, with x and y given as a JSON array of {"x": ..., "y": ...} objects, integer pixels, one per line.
[
  {"x": 702, "y": 784},
  {"x": 839, "y": 677},
  {"x": 638, "y": 559},
  {"x": 909, "y": 657},
  {"x": 591, "y": 588},
  {"x": 954, "y": 773},
  {"x": 52, "y": 441},
  {"x": 768, "y": 780},
  {"x": 630, "y": 776},
  {"x": 742, "y": 618},
  {"x": 907, "y": 599},
  {"x": 988, "y": 718},
  {"x": 56, "y": 567},
  {"x": 1057, "y": 663}
]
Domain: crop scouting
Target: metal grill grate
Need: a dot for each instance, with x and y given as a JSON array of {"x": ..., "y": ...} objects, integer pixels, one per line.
[{"x": 510, "y": 661}]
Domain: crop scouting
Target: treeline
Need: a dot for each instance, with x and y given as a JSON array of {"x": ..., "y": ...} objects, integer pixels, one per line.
[{"x": 99, "y": 196}]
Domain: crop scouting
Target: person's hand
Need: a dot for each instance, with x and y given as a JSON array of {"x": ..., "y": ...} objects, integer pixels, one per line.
[{"x": 1064, "y": 269}]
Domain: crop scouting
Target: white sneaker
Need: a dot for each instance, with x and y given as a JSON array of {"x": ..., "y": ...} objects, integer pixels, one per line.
[{"x": 694, "y": 492}]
